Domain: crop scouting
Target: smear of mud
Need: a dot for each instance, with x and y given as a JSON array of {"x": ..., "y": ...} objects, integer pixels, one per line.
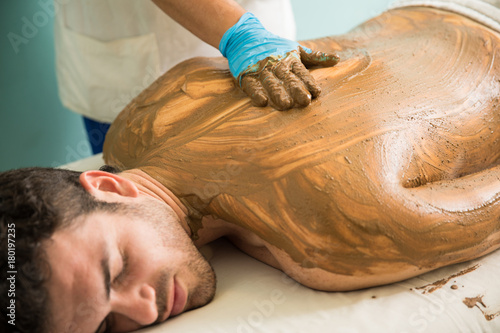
[
  {"x": 429, "y": 288},
  {"x": 472, "y": 302}
]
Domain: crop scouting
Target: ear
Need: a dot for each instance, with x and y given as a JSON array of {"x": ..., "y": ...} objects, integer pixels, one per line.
[{"x": 108, "y": 186}]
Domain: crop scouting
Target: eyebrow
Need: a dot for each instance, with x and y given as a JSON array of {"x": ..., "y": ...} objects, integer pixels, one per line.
[{"x": 106, "y": 274}]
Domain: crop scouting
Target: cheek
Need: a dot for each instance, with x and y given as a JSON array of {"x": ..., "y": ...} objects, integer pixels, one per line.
[
  {"x": 144, "y": 239},
  {"x": 150, "y": 233},
  {"x": 145, "y": 251},
  {"x": 155, "y": 245}
]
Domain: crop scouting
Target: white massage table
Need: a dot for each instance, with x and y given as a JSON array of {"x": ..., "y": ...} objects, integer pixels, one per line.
[{"x": 255, "y": 298}]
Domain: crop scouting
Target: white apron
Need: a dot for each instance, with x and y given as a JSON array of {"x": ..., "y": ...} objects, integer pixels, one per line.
[{"x": 108, "y": 51}]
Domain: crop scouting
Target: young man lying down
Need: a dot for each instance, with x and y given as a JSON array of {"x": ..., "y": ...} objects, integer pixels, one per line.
[{"x": 391, "y": 172}]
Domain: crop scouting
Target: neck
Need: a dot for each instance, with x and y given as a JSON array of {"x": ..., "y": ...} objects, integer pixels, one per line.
[
  {"x": 212, "y": 228},
  {"x": 150, "y": 187}
]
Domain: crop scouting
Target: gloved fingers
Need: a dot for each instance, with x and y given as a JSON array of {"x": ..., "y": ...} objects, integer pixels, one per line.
[
  {"x": 295, "y": 87},
  {"x": 254, "y": 89},
  {"x": 278, "y": 94},
  {"x": 317, "y": 58},
  {"x": 303, "y": 74},
  {"x": 286, "y": 81}
]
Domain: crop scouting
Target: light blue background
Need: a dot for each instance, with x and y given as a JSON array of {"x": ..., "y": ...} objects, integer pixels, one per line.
[{"x": 36, "y": 130}]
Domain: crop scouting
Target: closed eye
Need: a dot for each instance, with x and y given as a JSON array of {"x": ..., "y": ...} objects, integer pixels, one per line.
[
  {"x": 107, "y": 324},
  {"x": 120, "y": 278}
]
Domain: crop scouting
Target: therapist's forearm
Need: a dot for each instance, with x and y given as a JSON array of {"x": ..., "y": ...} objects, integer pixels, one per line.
[{"x": 206, "y": 19}]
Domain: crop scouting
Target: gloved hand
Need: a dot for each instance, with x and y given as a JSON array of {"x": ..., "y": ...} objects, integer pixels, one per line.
[{"x": 267, "y": 66}]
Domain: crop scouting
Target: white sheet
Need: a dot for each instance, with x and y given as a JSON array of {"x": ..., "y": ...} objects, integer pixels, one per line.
[{"x": 255, "y": 298}]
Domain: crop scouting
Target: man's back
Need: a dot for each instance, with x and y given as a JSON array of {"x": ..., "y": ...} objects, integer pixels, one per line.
[{"x": 390, "y": 172}]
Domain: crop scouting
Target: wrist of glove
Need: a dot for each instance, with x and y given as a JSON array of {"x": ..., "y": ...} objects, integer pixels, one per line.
[{"x": 270, "y": 68}]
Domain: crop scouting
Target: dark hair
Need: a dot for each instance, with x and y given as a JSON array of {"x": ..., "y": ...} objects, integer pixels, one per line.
[{"x": 34, "y": 203}]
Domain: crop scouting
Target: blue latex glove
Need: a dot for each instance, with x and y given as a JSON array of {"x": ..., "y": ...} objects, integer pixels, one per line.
[{"x": 270, "y": 67}]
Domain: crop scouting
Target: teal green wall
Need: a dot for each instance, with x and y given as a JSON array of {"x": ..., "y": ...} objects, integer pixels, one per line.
[
  {"x": 320, "y": 18},
  {"x": 36, "y": 130}
]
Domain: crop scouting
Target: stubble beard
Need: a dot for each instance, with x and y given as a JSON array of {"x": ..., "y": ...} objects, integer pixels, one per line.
[{"x": 164, "y": 220}]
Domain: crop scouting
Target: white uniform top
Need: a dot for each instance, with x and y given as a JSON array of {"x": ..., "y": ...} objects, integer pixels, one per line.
[
  {"x": 108, "y": 51},
  {"x": 486, "y": 12}
]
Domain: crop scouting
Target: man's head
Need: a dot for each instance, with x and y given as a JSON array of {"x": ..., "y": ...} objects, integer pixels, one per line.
[{"x": 91, "y": 252}]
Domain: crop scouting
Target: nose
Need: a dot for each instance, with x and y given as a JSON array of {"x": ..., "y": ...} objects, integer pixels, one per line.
[{"x": 137, "y": 304}]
